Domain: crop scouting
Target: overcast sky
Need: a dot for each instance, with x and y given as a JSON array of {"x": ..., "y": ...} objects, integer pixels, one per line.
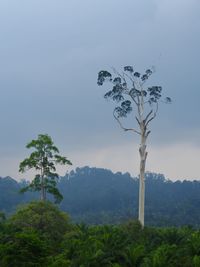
[{"x": 50, "y": 54}]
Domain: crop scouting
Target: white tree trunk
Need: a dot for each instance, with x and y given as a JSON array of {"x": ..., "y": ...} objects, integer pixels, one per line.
[{"x": 143, "y": 157}]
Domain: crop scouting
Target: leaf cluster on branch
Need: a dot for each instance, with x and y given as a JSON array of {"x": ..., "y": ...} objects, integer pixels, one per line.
[{"x": 128, "y": 90}]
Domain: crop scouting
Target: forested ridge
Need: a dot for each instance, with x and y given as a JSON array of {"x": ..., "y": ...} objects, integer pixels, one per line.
[{"x": 99, "y": 196}]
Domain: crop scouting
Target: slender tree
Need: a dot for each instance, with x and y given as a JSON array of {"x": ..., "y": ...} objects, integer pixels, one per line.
[
  {"x": 129, "y": 88},
  {"x": 43, "y": 160}
]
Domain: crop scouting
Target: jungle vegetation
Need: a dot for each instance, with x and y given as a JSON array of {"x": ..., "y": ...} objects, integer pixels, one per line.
[{"x": 41, "y": 235}]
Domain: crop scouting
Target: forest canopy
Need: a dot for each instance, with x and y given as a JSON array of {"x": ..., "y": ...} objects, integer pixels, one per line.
[{"x": 99, "y": 196}]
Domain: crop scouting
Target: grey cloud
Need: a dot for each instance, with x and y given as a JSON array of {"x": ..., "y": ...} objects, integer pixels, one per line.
[{"x": 51, "y": 52}]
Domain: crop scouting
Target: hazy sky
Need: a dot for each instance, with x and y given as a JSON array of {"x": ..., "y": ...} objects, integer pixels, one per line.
[{"x": 50, "y": 54}]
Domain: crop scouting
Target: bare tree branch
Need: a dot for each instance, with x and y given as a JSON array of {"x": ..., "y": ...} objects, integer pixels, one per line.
[
  {"x": 148, "y": 115},
  {"x": 137, "y": 120},
  {"x": 154, "y": 115},
  {"x": 123, "y": 128},
  {"x": 148, "y": 133},
  {"x": 134, "y": 100},
  {"x": 130, "y": 77}
]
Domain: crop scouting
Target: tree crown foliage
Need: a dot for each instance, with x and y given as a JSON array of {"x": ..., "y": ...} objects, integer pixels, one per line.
[
  {"x": 128, "y": 89},
  {"x": 42, "y": 217},
  {"x": 44, "y": 159}
]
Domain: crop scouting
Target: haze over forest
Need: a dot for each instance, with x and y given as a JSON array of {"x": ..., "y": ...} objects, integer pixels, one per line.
[{"x": 98, "y": 196}]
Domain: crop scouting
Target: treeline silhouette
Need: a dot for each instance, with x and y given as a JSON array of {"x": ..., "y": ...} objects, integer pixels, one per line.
[{"x": 99, "y": 196}]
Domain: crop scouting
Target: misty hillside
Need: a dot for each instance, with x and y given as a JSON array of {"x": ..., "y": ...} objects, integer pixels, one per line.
[{"x": 96, "y": 196}]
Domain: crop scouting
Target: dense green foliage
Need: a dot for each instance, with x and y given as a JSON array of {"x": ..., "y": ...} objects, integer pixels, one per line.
[
  {"x": 40, "y": 235},
  {"x": 98, "y": 196},
  {"x": 43, "y": 160},
  {"x": 42, "y": 217}
]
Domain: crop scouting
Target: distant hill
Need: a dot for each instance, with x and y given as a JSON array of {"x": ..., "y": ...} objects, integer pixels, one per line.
[{"x": 95, "y": 195}]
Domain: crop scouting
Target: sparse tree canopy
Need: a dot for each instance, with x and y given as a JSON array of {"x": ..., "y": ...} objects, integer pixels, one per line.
[
  {"x": 128, "y": 90},
  {"x": 44, "y": 160}
]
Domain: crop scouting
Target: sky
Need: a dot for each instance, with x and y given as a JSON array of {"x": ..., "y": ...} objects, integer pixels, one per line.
[{"x": 50, "y": 54}]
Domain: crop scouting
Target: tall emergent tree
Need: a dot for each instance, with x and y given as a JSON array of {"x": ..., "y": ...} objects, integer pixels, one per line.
[
  {"x": 44, "y": 160},
  {"x": 128, "y": 88}
]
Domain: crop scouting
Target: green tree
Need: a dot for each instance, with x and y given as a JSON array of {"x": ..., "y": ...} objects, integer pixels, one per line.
[
  {"x": 128, "y": 88},
  {"x": 43, "y": 160},
  {"x": 134, "y": 255},
  {"x": 165, "y": 256},
  {"x": 25, "y": 249},
  {"x": 44, "y": 218}
]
